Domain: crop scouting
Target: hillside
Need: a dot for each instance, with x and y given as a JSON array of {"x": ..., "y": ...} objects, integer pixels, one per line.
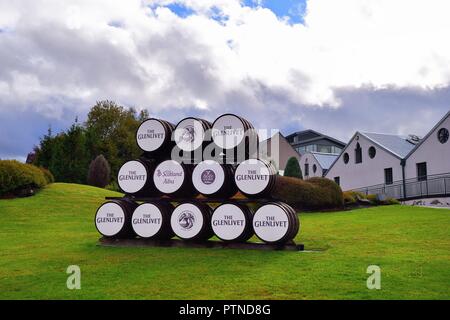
[{"x": 42, "y": 235}]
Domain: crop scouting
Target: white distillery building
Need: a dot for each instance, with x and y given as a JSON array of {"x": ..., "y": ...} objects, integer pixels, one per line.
[
  {"x": 316, "y": 164},
  {"x": 396, "y": 166},
  {"x": 370, "y": 159}
]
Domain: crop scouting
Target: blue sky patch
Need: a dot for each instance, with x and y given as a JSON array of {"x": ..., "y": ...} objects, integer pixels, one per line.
[
  {"x": 180, "y": 10},
  {"x": 293, "y": 9}
]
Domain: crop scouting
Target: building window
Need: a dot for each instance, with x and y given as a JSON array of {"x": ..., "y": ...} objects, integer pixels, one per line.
[
  {"x": 336, "y": 150},
  {"x": 372, "y": 152},
  {"x": 324, "y": 149},
  {"x": 443, "y": 135},
  {"x": 314, "y": 168},
  {"x": 388, "y": 177},
  {"x": 346, "y": 158},
  {"x": 358, "y": 153},
  {"x": 421, "y": 171},
  {"x": 337, "y": 180},
  {"x": 306, "y": 169}
]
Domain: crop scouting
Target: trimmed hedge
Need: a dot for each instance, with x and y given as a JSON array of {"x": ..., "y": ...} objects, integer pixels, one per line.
[
  {"x": 311, "y": 194},
  {"x": 16, "y": 176}
]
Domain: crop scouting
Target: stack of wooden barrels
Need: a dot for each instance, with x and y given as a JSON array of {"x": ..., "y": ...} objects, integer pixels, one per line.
[{"x": 166, "y": 197}]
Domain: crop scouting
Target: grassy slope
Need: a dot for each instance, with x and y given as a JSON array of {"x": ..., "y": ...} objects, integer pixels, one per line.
[{"x": 42, "y": 235}]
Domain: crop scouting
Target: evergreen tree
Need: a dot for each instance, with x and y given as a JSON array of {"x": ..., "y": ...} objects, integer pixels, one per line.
[
  {"x": 99, "y": 172},
  {"x": 293, "y": 169}
]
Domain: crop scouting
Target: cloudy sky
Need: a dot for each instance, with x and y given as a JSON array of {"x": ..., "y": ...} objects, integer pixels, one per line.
[{"x": 333, "y": 66}]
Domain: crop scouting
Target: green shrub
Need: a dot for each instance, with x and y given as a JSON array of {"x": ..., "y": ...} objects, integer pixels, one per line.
[
  {"x": 349, "y": 198},
  {"x": 48, "y": 175},
  {"x": 373, "y": 198},
  {"x": 390, "y": 201},
  {"x": 113, "y": 186},
  {"x": 352, "y": 197},
  {"x": 293, "y": 168},
  {"x": 15, "y": 176},
  {"x": 312, "y": 194}
]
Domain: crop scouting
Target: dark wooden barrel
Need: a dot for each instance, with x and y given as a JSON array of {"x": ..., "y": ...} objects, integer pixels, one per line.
[
  {"x": 214, "y": 180},
  {"x": 174, "y": 179},
  {"x": 135, "y": 178},
  {"x": 276, "y": 223},
  {"x": 151, "y": 220},
  {"x": 232, "y": 222},
  {"x": 236, "y": 136},
  {"x": 154, "y": 137},
  {"x": 192, "y": 134},
  {"x": 256, "y": 178},
  {"x": 192, "y": 221},
  {"x": 113, "y": 219}
]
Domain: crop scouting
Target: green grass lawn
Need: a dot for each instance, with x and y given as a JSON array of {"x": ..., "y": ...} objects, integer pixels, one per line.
[{"x": 42, "y": 235}]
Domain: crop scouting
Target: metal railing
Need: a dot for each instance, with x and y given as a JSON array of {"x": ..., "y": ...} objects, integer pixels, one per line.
[{"x": 430, "y": 186}]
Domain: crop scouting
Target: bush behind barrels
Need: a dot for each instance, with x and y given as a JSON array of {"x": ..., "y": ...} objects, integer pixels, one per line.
[{"x": 311, "y": 194}]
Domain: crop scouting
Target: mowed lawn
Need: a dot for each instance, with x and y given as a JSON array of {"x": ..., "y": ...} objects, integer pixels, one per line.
[{"x": 42, "y": 235}]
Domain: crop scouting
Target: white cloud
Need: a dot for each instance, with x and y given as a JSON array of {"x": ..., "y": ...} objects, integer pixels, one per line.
[{"x": 141, "y": 54}]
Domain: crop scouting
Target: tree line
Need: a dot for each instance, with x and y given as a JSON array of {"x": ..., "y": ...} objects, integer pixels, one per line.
[{"x": 108, "y": 131}]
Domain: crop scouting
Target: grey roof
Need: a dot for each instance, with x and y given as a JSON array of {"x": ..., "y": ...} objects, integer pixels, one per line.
[
  {"x": 396, "y": 144},
  {"x": 325, "y": 159},
  {"x": 318, "y": 136}
]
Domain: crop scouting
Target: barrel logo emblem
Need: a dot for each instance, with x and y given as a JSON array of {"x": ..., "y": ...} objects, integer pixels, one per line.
[
  {"x": 208, "y": 177},
  {"x": 186, "y": 220},
  {"x": 188, "y": 134}
]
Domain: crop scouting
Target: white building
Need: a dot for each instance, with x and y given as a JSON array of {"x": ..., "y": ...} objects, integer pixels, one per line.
[
  {"x": 432, "y": 155},
  {"x": 316, "y": 164},
  {"x": 388, "y": 164},
  {"x": 370, "y": 159}
]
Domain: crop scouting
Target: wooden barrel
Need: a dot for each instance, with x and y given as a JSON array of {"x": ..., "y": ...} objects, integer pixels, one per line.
[
  {"x": 255, "y": 178},
  {"x": 151, "y": 220},
  {"x": 232, "y": 222},
  {"x": 174, "y": 179},
  {"x": 154, "y": 137},
  {"x": 214, "y": 180},
  {"x": 113, "y": 219},
  {"x": 192, "y": 221},
  {"x": 276, "y": 222},
  {"x": 135, "y": 178},
  {"x": 192, "y": 134},
  {"x": 235, "y": 136}
]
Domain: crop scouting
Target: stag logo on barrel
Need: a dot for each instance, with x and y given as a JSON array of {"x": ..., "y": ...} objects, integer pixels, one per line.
[
  {"x": 188, "y": 134},
  {"x": 208, "y": 177},
  {"x": 186, "y": 220}
]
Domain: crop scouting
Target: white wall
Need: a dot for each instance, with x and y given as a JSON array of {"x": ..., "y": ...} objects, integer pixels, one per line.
[
  {"x": 309, "y": 158},
  {"x": 368, "y": 173},
  {"x": 431, "y": 151}
]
